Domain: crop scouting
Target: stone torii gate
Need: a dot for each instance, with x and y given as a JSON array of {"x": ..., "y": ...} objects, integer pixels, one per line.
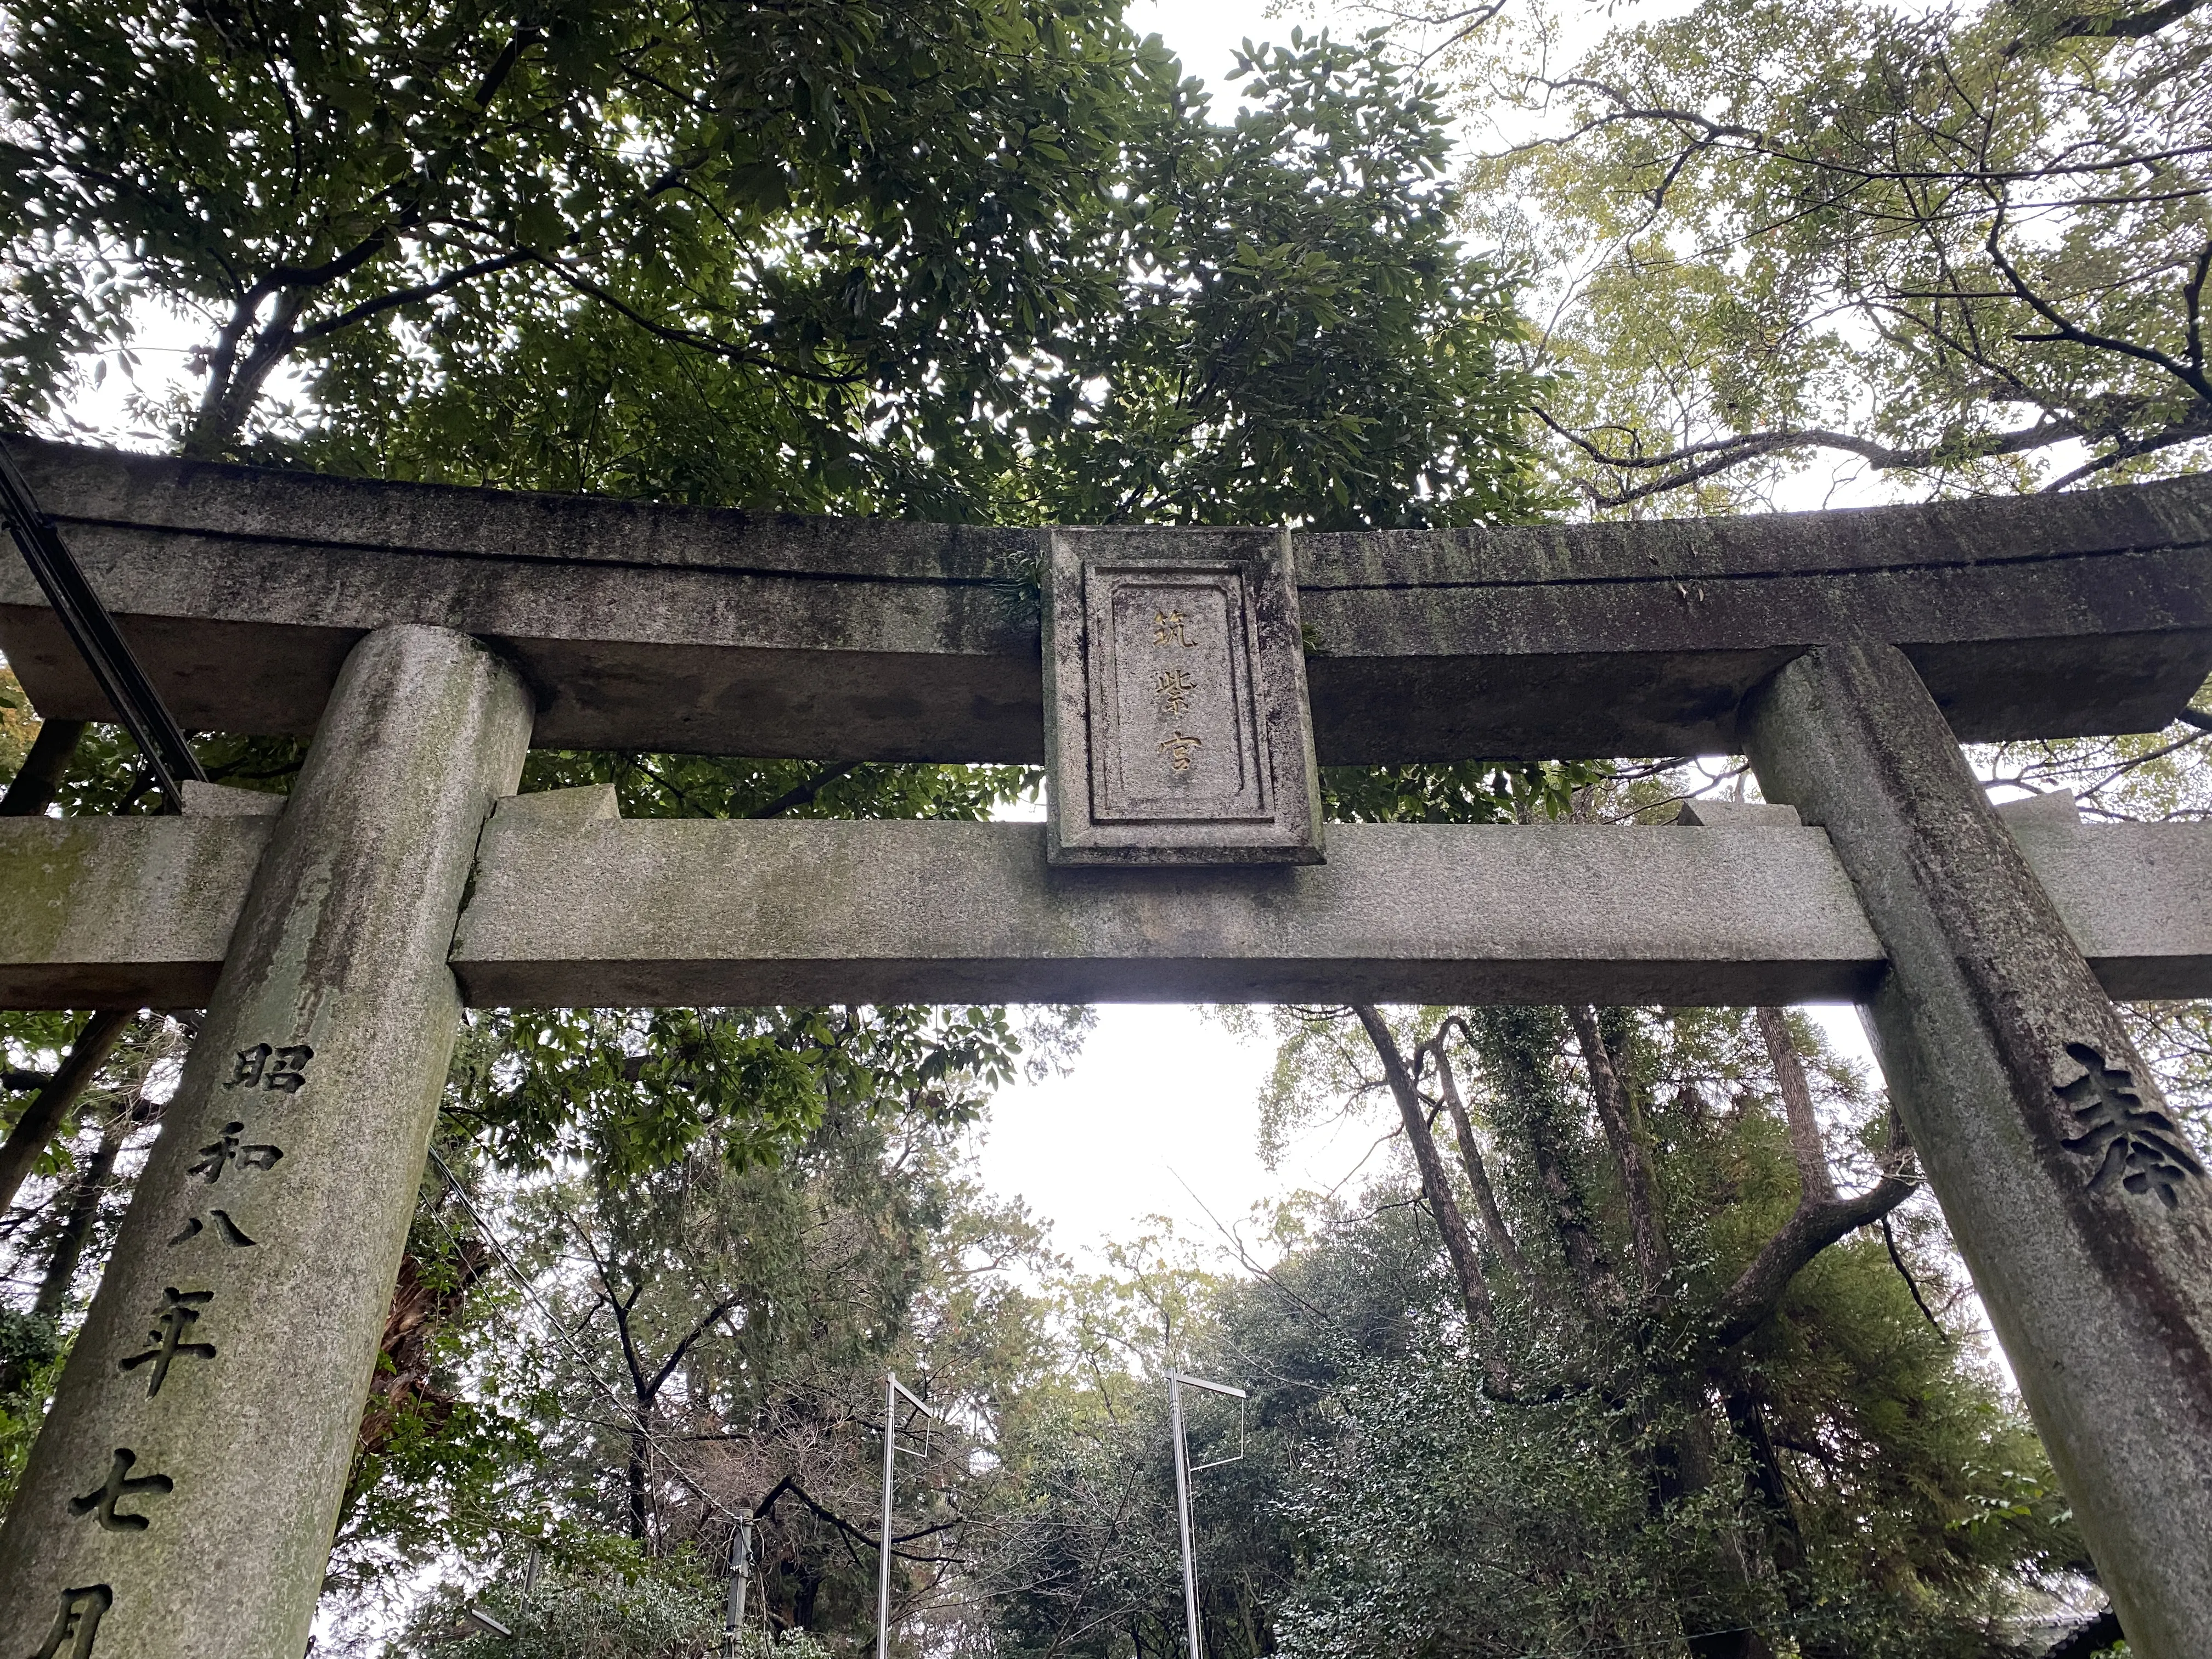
[{"x": 180, "y": 1501}]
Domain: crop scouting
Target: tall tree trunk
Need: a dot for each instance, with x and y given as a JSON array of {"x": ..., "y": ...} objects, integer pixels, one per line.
[
  {"x": 35, "y": 786},
  {"x": 65, "y": 1249},
  {"x": 422, "y": 1305},
  {"x": 1436, "y": 1188},
  {"x": 638, "y": 1453},
  {"x": 234, "y": 384},
  {"x": 1516, "y": 1046},
  {"x": 42, "y": 1118},
  {"x": 80, "y": 1211},
  {"x": 1746, "y": 1416},
  {"x": 1626, "y": 1133},
  {"x": 1817, "y": 1183},
  {"x": 1499, "y": 1236}
]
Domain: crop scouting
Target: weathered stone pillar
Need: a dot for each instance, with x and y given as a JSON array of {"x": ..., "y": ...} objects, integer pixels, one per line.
[
  {"x": 2085, "y": 1218},
  {"x": 180, "y": 1499}
]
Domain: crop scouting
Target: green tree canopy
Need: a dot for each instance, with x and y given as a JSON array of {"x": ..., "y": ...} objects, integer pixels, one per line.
[
  {"x": 1962, "y": 248},
  {"x": 962, "y": 258}
]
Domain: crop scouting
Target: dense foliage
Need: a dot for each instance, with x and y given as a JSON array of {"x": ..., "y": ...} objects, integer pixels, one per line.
[{"x": 1948, "y": 248}]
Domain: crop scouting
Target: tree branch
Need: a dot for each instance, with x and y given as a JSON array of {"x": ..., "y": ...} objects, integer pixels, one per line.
[
  {"x": 1474, "y": 1293},
  {"x": 1477, "y": 1174},
  {"x": 1702, "y": 461},
  {"x": 1759, "y": 1289},
  {"x": 1817, "y": 1185},
  {"x": 42, "y": 1118},
  {"x": 1617, "y": 1116}
]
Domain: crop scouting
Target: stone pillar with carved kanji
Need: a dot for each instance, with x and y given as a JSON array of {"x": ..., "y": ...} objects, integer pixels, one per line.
[
  {"x": 180, "y": 1500},
  {"x": 2080, "y": 1207}
]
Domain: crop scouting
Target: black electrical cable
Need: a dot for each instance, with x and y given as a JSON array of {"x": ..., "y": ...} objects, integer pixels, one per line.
[{"x": 97, "y": 639}]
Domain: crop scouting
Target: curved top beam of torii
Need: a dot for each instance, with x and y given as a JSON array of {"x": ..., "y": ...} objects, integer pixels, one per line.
[{"x": 670, "y": 628}]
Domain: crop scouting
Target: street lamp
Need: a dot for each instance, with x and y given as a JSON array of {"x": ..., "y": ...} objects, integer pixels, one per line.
[
  {"x": 892, "y": 1393},
  {"x": 1183, "y": 1473}
]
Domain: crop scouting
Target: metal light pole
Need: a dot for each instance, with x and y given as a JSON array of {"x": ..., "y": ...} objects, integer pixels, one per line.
[
  {"x": 1183, "y": 1472},
  {"x": 741, "y": 1571},
  {"x": 892, "y": 1391}
]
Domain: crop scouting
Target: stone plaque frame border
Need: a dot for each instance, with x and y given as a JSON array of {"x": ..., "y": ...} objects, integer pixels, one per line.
[{"x": 1091, "y": 817}]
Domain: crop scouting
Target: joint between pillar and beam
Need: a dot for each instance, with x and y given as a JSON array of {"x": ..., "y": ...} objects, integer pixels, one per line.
[
  {"x": 180, "y": 1501},
  {"x": 2085, "y": 1219}
]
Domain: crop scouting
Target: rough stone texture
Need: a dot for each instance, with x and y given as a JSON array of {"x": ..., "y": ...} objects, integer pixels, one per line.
[
  {"x": 681, "y": 911},
  {"x": 1176, "y": 723},
  {"x": 2136, "y": 898},
  {"x": 590, "y": 803},
  {"x": 247, "y": 1431},
  {"x": 1736, "y": 815},
  {"x": 2057, "y": 807},
  {"x": 2047, "y": 615},
  {"x": 120, "y": 913},
  {"x": 672, "y": 627},
  {"x": 2088, "y": 1225},
  {"x": 215, "y": 800},
  {"x": 125, "y": 913},
  {"x": 677, "y": 912}
]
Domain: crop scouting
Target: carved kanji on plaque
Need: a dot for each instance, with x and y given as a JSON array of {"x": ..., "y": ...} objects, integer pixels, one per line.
[{"x": 1178, "y": 731}]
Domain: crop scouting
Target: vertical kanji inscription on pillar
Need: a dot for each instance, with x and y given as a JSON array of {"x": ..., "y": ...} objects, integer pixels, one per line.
[
  {"x": 2131, "y": 1144},
  {"x": 1175, "y": 700},
  {"x": 180, "y": 1499}
]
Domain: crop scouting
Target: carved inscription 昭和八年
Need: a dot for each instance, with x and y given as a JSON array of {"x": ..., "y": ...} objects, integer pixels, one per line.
[
  {"x": 263, "y": 1067},
  {"x": 76, "y": 1622},
  {"x": 180, "y": 1311},
  {"x": 120, "y": 1484},
  {"x": 219, "y": 1155},
  {"x": 267, "y": 1067},
  {"x": 225, "y": 1229},
  {"x": 2135, "y": 1145}
]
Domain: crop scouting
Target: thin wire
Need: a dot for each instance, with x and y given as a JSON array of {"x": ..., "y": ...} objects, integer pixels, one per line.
[
  {"x": 625, "y": 1408},
  {"x": 106, "y": 653}
]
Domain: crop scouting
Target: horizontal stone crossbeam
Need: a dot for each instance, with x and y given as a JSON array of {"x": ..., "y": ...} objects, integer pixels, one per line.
[
  {"x": 568, "y": 908},
  {"x": 665, "y": 628}
]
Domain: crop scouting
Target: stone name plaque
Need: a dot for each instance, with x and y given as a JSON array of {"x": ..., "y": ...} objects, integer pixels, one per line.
[{"x": 1177, "y": 727}]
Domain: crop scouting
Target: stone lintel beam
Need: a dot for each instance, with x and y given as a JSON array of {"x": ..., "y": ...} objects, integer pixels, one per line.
[
  {"x": 671, "y": 628},
  {"x": 106, "y": 912},
  {"x": 677, "y": 911},
  {"x": 571, "y": 906}
]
